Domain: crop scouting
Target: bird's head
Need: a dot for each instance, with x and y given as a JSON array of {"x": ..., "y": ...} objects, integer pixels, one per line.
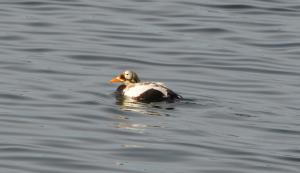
[{"x": 127, "y": 77}]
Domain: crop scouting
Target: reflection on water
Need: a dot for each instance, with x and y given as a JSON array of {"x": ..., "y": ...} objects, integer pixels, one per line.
[
  {"x": 127, "y": 104},
  {"x": 154, "y": 108}
]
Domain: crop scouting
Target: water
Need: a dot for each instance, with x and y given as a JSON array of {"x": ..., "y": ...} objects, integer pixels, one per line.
[{"x": 236, "y": 63}]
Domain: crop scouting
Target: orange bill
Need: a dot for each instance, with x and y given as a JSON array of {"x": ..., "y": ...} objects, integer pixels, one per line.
[{"x": 116, "y": 79}]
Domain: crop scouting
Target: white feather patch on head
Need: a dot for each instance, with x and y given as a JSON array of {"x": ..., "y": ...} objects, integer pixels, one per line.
[{"x": 127, "y": 74}]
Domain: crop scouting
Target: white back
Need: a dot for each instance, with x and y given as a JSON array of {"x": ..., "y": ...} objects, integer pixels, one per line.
[{"x": 135, "y": 90}]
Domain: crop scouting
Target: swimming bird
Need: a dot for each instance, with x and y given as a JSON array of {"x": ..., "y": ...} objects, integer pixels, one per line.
[{"x": 133, "y": 88}]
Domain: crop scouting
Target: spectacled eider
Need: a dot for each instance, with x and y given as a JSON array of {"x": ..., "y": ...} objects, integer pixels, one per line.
[{"x": 133, "y": 88}]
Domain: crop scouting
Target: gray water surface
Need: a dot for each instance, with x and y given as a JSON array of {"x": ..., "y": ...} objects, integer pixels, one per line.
[{"x": 236, "y": 63}]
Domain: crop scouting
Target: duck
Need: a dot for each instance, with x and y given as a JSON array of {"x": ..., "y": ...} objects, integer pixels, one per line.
[{"x": 133, "y": 88}]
